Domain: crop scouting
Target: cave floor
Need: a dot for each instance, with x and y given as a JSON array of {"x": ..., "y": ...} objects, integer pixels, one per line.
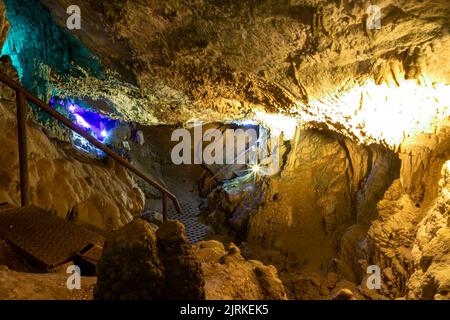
[{"x": 45, "y": 286}]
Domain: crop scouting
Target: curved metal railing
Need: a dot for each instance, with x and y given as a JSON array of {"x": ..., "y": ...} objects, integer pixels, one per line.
[{"x": 22, "y": 96}]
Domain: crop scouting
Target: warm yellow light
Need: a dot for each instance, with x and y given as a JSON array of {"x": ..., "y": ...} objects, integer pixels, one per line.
[
  {"x": 277, "y": 124},
  {"x": 383, "y": 113},
  {"x": 255, "y": 168}
]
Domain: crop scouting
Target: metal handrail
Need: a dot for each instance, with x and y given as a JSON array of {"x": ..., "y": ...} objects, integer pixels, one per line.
[{"x": 23, "y": 95}]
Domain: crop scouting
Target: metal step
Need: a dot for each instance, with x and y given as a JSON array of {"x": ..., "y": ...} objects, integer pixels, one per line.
[
  {"x": 195, "y": 231},
  {"x": 45, "y": 238}
]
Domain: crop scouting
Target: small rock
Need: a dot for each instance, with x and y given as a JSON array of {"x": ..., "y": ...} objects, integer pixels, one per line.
[
  {"x": 233, "y": 249},
  {"x": 344, "y": 294}
]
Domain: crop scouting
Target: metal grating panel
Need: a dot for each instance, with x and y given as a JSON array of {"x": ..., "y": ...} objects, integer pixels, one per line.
[
  {"x": 44, "y": 237},
  {"x": 195, "y": 231}
]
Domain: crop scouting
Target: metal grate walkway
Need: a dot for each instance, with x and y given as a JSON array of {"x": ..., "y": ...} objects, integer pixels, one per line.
[
  {"x": 195, "y": 231},
  {"x": 44, "y": 237}
]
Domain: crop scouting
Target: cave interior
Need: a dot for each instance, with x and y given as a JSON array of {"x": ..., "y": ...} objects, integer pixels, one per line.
[{"x": 237, "y": 150}]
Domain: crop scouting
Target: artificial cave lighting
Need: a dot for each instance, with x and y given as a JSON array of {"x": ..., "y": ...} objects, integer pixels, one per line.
[
  {"x": 81, "y": 122},
  {"x": 385, "y": 113},
  {"x": 96, "y": 124},
  {"x": 277, "y": 124},
  {"x": 255, "y": 168},
  {"x": 225, "y": 150}
]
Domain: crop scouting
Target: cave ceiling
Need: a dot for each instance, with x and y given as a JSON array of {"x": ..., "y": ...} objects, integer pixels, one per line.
[{"x": 174, "y": 61}]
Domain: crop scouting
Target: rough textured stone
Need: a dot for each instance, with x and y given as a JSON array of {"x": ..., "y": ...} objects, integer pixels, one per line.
[
  {"x": 153, "y": 217},
  {"x": 130, "y": 266},
  {"x": 431, "y": 248},
  {"x": 61, "y": 178},
  {"x": 409, "y": 238},
  {"x": 211, "y": 60},
  {"x": 229, "y": 276},
  {"x": 136, "y": 263},
  {"x": 344, "y": 294},
  {"x": 4, "y": 25},
  {"x": 322, "y": 215},
  {"x": 327, "y": 184},
  {"x": 184, "y": 277}
]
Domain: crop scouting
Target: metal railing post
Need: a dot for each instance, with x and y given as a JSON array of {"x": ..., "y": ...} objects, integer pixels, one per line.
[
  {"x": 23, "y": 96},
  {"x": 23, "y": 149}
]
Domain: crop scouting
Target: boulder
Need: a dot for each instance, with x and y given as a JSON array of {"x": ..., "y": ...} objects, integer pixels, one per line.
[
  {"x": 138, "y": 264},
  {"x": 184, "y": 277},
  {"x": 130, "y": 267},
  {"x": 229, "y": 276}
]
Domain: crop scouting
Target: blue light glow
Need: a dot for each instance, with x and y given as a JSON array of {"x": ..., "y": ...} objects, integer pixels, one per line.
[
  {"x": 72, "y": 108},
  {"x": 38, "y": 47},
  {"x": 97, "y": 125},
  {"x": 81, "y": 122}
]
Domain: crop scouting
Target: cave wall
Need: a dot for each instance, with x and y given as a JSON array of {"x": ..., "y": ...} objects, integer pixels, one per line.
[
  {"x": 41, "y": 51},
  {"x": 75, "y": 186},
  {"x": 216, "y": 60},
  {"x": 409, "y": 239},
  {"x": 311, "y": 217},
  {"x": 4, "y": 26},
  {"x": 61, "y": 179},
  {"x": 338, "y": 207},
  {"x": 44, "y": 53},
  {"x": 328, "y": 184},
  {"x": 431, "y": 250}
]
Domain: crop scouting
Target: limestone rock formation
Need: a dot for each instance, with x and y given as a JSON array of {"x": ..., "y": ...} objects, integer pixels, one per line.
[
  {"x": 4, "y": 25},
  {"x": 364, "y": 180},
  {"x": 210, "y": 60},
  {"x": 184, "y": 277},
  {"x": 344, "y": 294},
  {"x": 326, "y": 184},
  {"x": 130, "y": 266},
  {"x": 228, "y": 275},
  {"x": 137, "y": 264},
  {"x": 41, "y": 286},
  {"x": 61, "y": 178},
  {"x": 431, "y": 250}
]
